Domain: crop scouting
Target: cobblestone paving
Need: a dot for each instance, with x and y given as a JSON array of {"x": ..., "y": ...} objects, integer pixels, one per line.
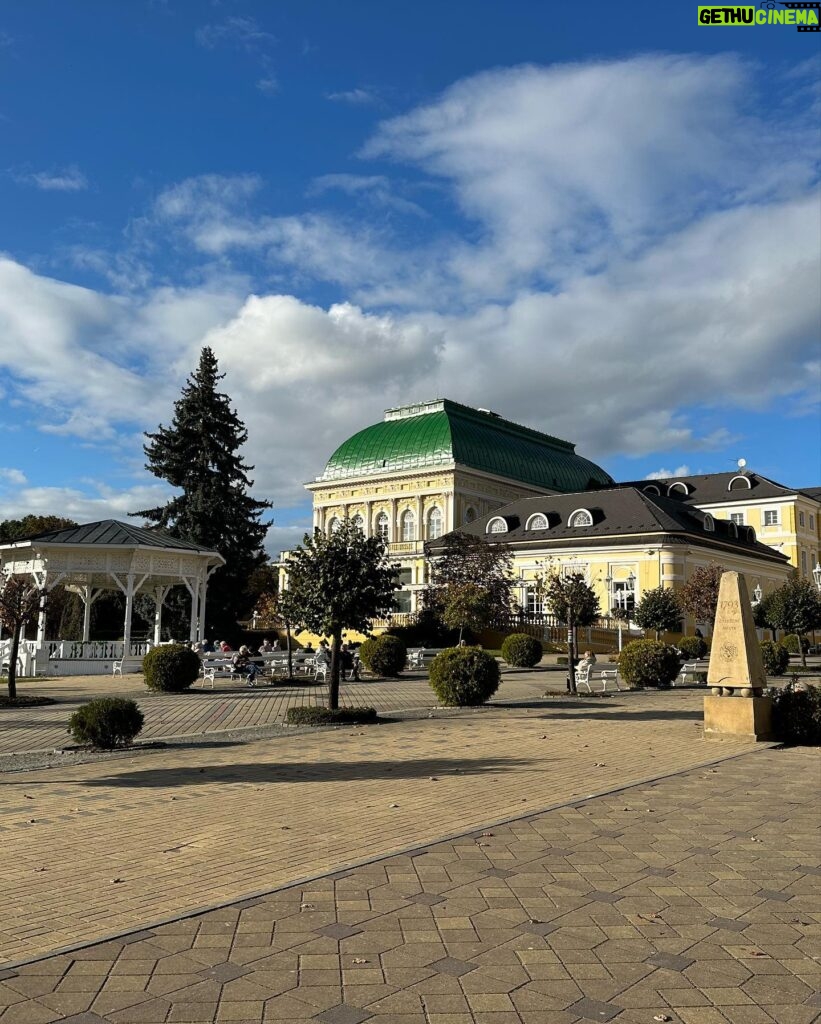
[
  {"x": 694, "y": 899},
  {"x": 231, "y": 707},
  {"x": 103, "y": 847}
]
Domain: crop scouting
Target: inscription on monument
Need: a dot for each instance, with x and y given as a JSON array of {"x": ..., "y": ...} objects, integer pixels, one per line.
[{"x": 735, "y": 658}]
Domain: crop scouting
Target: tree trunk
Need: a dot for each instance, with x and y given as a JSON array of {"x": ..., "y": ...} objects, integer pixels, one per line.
[
  {"x": 803, "y": 650},
  {"x": 333, "y": 683},
  {"x": 15, "y": 647},
  {"x": 290, "y": 656}
]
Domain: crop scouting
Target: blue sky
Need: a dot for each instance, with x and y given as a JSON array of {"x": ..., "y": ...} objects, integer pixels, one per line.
[{"x": 597, "y": 219}]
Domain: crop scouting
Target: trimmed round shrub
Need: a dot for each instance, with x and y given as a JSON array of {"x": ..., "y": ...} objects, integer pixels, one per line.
[
  {"x": 521, "y": 650},
  {"x": 328, "y": 716},
  {"x": 793, "y": 642},
  {"x": 384, "y": 655},
  {"x": 775, "y": 656},
  {"x": 171, "y": 668},
  {"x": 648, "y": 663},
  {"x": 106, "y": 722},
  {"x": 797, "y": 716},
  {"x": 692, "y": 647},
  {"x": 464, "y": 676}
]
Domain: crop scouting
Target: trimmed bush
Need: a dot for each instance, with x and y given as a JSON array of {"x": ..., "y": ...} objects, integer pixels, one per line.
[
  {"x": 464, "y": 676},
  {"x": 793, "y": 642},
  {"x": 171, "y": 668},
  {"x": 326, "y": 716},
  {"x": 521, "y": 650},
  {"x": 692, "y": 647},
  {"x": 106, "y": 722},
  {"x": 648, "y": 663},
  {"x": 775, "y": 656},
  {"x": 797, "y": 716},
  {"x": 384, "y": 655}
]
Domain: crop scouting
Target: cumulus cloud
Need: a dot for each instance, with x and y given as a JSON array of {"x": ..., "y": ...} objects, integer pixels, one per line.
[
  {"x": 669, "y": 474},
  {"x": 12, "y": 476}
]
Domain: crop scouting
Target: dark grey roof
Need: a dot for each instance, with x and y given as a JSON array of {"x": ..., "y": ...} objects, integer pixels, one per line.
[
  {"x": 713, "y": 488},
  {"x": 112, "y": 533},
  {"x": 616, "y": 512},
  {"x": 811, "y": 492}
]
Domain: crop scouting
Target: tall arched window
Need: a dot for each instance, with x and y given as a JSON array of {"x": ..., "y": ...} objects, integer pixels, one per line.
[
  {"x": 434, "y": 524},
  {"x": 359, "y": 523},
  {"x": 333, "y": 525},
  {"x": 470, "y": 514},
  {"x": 383, "y": 527},
  {"x": 408, "y": 526}
]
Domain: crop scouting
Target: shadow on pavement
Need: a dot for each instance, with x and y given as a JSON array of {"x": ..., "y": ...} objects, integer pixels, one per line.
[{"x": 332, "y": 771}]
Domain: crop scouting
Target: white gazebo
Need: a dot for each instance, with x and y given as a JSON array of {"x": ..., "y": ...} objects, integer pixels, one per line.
[{"x": 108, "y": 555}]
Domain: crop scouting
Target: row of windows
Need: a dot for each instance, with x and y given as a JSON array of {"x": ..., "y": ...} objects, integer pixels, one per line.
[
  {"x": 407, "y": 525},
  {"x": 739, "y": 482},
  {"x": 539, "y": 521}
]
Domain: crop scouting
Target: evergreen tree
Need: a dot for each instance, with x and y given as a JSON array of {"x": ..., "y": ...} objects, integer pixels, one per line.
[{"x": 199, "y": 454}]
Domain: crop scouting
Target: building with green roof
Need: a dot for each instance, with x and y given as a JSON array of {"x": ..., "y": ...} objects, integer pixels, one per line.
[{"x": 430, "y": 467}]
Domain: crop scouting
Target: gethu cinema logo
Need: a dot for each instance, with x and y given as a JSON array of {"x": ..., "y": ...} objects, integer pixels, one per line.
[{"x": 805, "y": 16}]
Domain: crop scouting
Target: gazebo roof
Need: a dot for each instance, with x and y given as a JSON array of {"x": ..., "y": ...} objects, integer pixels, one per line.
[{"x": 113, "y": 533}]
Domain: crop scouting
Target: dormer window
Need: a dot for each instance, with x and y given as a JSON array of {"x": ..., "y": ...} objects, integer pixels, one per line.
[
  {"x": 581, "y": 517},
  {"x": 537, "y": 522},
  {"x": 651, "y": 489},
  {"x": 733, "y": 529},
  {"x": 497, "y": 525},
  {"x": 709, "y": 523},
  {"x": 679, "y": 487},
  {"x": 751, "y": 537},
  {"x": 739, "y": 483}
]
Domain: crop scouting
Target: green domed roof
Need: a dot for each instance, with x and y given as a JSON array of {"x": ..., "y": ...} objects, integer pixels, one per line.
[{"x": 441, "y": 433}]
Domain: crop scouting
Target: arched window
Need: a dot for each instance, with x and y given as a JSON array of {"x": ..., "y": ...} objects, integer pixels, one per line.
[
  {"x": 497, "y": 525},
  {"x": 581, "y": 517},
  {"x": 651, "y": 489},
  {"x": 678, "y": 488},
  {"x": 434, "y": 524},
  {"x": 537, "y": 522},
  {"x": 408, "y": 526},
  {"x": 383, "y": 527},
  {"x": 739, "y": 483},
  {"x": 751, "y": 538},
  {"x": 709, "y": 523},
  {"x": 470, "y": 514},
  {"x": 333, "y": 525},
  {"x": 733, "y": 529},
  {"x": 359, "y": 523}
]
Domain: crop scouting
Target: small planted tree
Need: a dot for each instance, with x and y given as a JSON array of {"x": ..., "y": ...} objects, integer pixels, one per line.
[
  {"x": 658, "y": 610},
  {"x": 467, "y": 606},
  {"x": 338, "y": 582},
  {"x": 19, "y": 603},
  {"x": 471, "y": 581},
  {"x": 796, "y": 608},
  {"x": 699, "y": 595},
  {"x": 574, "y": 604}
]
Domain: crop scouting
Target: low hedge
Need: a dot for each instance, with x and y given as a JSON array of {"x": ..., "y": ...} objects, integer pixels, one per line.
[
  {"x": 170, "y": 668},
  {"x": 464, "y": 676},
  {"x": 384, "y": 655},
  {"x": 328, "y": 716},
  {"x": 692, "y": 647},
  {"x": 775, "y": 656},
  {"x": 106, "y": 722},
  {"x": 521, "y": 650},
  {"x": 648, "y": 663},
  {"x": 797, "y": 716}
]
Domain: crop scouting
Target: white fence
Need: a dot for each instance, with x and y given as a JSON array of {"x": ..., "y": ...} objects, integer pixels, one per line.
[{"x": 68, "y": 657}]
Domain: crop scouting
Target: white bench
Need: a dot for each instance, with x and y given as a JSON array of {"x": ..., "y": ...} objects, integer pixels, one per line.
[
  {"x": 691, "y": 670},
  {"x": 126, "y": 664}
]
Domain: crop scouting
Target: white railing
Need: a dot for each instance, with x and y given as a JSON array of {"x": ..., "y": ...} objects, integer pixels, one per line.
[{"x": 94, "y": 650}]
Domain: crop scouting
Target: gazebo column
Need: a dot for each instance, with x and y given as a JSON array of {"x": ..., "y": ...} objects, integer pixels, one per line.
[
  {"x": 129, "y": 607},
  {"x": 160, "y": 594},
  {"x": 195, "y": 600},
  {"x": 201, "y": 621},
  {"x": 41, "y": 619},
  {"x": 89, "y": 596}
]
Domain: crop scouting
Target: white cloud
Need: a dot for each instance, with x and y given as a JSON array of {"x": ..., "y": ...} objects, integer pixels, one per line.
[
  {"x": 376, "y": 188},
  {"x": 669, "y": 474},
  {"x": 12, "y": 476},
  {"x": 99, "y": 501},
  {"x": 68, "y": 179},
  {"x": 241, "y": 32},
  {"x": 268, "y": 85},
  {"x": 356, "y": 97}
]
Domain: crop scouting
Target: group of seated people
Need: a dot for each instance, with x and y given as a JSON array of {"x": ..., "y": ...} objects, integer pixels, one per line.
[{"x": 242, "y": 661}]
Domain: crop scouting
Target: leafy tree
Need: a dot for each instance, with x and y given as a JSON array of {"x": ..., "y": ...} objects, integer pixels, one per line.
[
  {"x": 659, "y": 610},
  {"x": 796, "y": 608},
  {"x": 199, "y": 454},
  {"x": 31, "y": 526},
  {"x": 339, "y": 582},
  {"x": 19, "y": 602},
  {"x": 699, "y": 595},
  {"x": 467, "y": 606},
  {"x": 575, "y": 604},
  {"x": 460, "y": 567}
]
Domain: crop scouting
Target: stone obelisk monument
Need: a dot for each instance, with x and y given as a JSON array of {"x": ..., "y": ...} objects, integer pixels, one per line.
[{"x": 737, "y": 706}]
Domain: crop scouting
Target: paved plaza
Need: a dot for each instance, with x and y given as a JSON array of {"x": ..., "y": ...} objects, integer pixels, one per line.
[{"x": 543, "y": 861}]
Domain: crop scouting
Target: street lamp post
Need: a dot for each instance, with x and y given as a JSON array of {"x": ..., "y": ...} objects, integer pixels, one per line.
[
  {"x": 757, "y": 594},
  {"x": 816, "y": 574}
]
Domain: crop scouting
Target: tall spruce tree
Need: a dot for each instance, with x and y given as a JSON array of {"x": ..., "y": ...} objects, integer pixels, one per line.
[{"x": 199, "y": 454}]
